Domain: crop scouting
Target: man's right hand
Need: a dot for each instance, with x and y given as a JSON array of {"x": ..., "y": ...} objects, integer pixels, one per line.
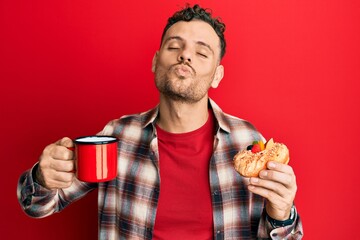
[{"x": 56, "y": 166}]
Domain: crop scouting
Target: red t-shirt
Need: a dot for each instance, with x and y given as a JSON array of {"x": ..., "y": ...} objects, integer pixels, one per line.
[{"x": 185, "y": 208}]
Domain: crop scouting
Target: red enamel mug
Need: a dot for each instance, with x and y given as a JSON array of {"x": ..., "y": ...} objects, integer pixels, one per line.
[{"x": 96, "y": 158}]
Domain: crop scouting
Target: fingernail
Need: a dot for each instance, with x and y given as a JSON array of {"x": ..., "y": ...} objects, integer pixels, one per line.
[{"x": 263, "y": 173}]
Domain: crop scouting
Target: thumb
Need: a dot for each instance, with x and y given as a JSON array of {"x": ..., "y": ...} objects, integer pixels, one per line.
[{"x": 65, "y": 142}]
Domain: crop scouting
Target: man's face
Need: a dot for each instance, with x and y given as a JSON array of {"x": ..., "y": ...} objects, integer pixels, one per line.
[{"x": 187, "y": 64}]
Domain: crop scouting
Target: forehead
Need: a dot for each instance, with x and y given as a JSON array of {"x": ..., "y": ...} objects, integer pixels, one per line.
[{"x": 195, "y": 30}]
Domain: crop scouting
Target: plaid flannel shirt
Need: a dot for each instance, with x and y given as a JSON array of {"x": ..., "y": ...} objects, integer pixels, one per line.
[{"x": 127, "y": 204}]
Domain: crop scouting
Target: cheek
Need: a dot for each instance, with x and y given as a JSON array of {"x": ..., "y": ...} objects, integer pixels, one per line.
[
  {"x": 206, "y": 71},
  {"x": 166, "y": 60}
]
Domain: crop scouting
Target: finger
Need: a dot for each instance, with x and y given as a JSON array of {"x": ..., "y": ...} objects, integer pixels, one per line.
[
  {"x": 54, "y": 179},
  {"x": 246, "y": 180},
  {"x": 286, "y": 179},
  {"x": 280, "y": 167},
  {"x": 265, "y": 193},
  {"x": 275, "y": 187},
  {"x": 57, "y": 151},
  {"x": 65, "y": 142},
  {"x": 62, "y": 166},
  {"x": 65, "y": 177},
  {"x": 54, "y": 184},
  {"x": 61, "y": 153}
]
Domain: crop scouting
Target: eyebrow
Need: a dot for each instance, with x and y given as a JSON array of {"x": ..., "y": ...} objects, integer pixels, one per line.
[{"x": 197, "y": 42}]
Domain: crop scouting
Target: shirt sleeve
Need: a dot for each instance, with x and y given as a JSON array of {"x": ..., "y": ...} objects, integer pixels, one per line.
[
  {"x": 290, "y": 232},
  {"x": 38, "y": 201}
]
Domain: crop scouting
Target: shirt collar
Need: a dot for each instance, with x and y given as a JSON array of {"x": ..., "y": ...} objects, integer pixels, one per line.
[
  {"x": 220, "y": 116},
  {"x": 150, "y": 116}
]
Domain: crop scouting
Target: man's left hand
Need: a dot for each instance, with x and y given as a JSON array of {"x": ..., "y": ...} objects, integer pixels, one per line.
[{"x": 277, "y": 184}]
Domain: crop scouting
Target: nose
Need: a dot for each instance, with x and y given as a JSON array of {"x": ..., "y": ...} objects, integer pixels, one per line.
[{"x": 184, "y": 55}]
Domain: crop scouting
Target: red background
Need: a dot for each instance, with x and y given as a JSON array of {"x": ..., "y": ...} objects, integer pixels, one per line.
[{"x": 292, "y": 68}]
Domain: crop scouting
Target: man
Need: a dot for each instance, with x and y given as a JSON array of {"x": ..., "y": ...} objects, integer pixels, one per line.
[{"x": 176, "y": 178}]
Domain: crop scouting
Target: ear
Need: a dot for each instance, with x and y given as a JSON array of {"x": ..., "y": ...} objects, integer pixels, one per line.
[
  {"x": 154, "y": 60},
  {"x": 219, "y": 74}
]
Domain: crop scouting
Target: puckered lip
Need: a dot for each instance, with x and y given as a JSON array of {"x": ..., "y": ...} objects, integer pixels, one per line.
[{"x": 182, "y": 69}]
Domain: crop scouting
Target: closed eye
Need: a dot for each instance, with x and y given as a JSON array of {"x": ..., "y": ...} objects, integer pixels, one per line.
[
  {"x": 173, "y": 48},
  {"x": 202, "y": 55}
]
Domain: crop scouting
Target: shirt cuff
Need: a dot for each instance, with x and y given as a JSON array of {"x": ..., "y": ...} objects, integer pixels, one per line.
[{"x": 276, "y": 223}]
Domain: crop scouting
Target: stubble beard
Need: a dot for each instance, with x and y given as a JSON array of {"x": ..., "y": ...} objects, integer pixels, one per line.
[{"x": 183, "y": 94}]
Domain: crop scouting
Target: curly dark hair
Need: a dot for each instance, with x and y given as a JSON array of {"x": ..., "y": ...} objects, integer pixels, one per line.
[{"x": 196, "y": 12}]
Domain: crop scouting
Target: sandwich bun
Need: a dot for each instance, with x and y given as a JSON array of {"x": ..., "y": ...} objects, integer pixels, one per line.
[{"x": 250, "y": 162}]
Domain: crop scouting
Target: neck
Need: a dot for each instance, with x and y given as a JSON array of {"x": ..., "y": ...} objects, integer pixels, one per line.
[{"x": 180, "y": 117}]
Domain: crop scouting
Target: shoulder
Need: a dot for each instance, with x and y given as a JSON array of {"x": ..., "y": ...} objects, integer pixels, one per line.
[
  {"x": 235, "y": 130},
  {"x": 241, "y": 129},
  {"x": 133, "y": 123},
  {"x": 230, "y": 123}
]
